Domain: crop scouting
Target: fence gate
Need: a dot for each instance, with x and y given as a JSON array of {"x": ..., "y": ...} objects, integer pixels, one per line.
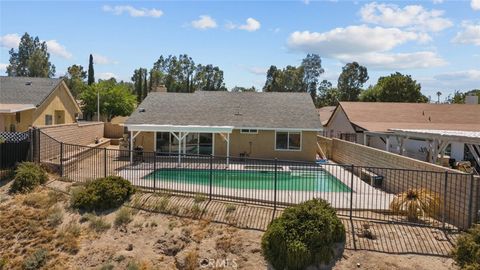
[{"x": 15, "y": 147}]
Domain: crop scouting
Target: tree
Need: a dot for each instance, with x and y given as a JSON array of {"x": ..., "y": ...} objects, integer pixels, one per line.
[
  {"x": 327, "y": 96},
  {"x": 31, "y": 60},
  {"x": 289, "y": 79},
  {"x": 459, "y": 97},
  {"x": 438, "y": 96},
  {"x": 139, "y": 79},
  {"x": 243, "y": 89},
  {"x": 75, "y": 79},
  {"x": 116, "y": 99},
  {"x": 312, "y": 67},
  {"x": 91, "y": 72},
  {"x": 351, "y": 80},
  {"x": 395, "y": 88},
  {"x": 209, "y": 78}
]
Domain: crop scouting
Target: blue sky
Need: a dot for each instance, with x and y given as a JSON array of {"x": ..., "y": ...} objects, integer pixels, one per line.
[{"x": 437, "y": 42}]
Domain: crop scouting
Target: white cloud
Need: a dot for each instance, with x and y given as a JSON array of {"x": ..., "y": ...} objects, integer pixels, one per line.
[
  {"x": 10, "y": 41},
  {"x": 133, "y": 12},
  {"x": 107, "y": 75},
  {"x": 396, "y": 61},
  {"x": 258, "y": 70},
  {"x": 204, "y": 22},
  {"x": 412, "y": 16},
  {"x": 250, "y": 25},
  {"x": 469, "y": 75},
  {"x": 371, "y": 46},
  {"x": 102, "y": 60},
  {"x": 475, "y": 4},
  {"x": 56, "y": 48},
  {"x": 3, "y": 67},
  {"x": 13, "y": 40},
  {"x": 469, "y": 35},
  {"x": 352, "y": 39}
]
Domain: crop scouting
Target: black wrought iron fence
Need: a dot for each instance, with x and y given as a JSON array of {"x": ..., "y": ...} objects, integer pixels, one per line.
[{"x": 449, "y": 199}]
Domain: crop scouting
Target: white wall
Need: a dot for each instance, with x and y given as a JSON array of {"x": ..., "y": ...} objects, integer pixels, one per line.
[{"x": 339, "y": 123}]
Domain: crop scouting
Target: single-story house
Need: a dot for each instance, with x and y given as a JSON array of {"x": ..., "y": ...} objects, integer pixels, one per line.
[
  {"x": 250, "y": 124},
  {"x": 27, "y": 102},
  {"x": 383, "y": 125}
]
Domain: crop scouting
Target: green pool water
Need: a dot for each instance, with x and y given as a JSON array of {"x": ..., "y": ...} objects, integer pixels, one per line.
[{"x": 295, "y": 180}]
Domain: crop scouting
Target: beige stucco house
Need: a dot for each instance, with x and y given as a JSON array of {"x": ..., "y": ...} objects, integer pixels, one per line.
[
  {"x": 27, "y": 102},
  {"x": 257, "y": 125},
  {"x": 384, "y": 125}
]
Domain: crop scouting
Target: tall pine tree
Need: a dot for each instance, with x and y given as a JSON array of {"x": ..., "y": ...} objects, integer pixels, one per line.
[{"x": 91, "y": 75}]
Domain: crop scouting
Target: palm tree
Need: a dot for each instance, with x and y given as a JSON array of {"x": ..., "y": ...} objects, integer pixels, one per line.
[{"x": 438, "y": 95}]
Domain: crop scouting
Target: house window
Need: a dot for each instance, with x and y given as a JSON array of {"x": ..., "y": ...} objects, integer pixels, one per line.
[
  {"x": 249, "y": 131},
  {"x": 48, "y": 119},
  {"x": 17, "y": 117},
  {"x": 290, "y": 141}
]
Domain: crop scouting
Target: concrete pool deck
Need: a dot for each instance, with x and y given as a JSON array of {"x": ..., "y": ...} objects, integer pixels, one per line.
[{"x": 363, "y": 197}]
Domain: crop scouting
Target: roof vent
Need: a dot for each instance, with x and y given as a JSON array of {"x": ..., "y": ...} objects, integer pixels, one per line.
[
  {"x": 28, "y": 83},
  {"x": 141, "y": 110}
]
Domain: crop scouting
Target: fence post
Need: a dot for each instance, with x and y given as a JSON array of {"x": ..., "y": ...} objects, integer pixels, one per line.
[
  {"x": 351, "y": 192},
  {"x": 61, "y": 159},
  {"x": 154, "y": 171},
  {"x": 275, "y": 188},
  {"x": 444, "y": 210},
  {"x": 210, "y": 178},
  {"x": 105, "y": 162},
  {"x": 470, "y": 201},
  {"x": 30, "y": 135}
]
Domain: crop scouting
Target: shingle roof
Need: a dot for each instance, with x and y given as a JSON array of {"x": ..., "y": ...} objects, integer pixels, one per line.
[
  {"x": 381, "y": 116},
  {"x": 247, "y": 110},
  {"x": 325, "y": 113},
  {"x": 26, "y": 90}
]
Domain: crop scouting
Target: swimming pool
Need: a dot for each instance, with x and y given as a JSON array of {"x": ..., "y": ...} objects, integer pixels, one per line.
[{"x": 318, "y": 180}]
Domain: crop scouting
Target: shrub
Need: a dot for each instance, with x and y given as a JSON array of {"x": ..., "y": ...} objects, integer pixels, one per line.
[
  {"x": 467, "y": 249},
  {"x": 199, "y": 198},
  {"x": 416, "y": 202},
  {"x": 35, "y": 260},
  {"x": 102, "y": 194},
  {"x": 230, "y": 208},
  {"x": 123, "y": 217},
  {"x": 55, "y": 216},
  {"x": 303, "y": 235},
  {"x": 28, "y": 176},
  {"x": 98, "y": 224}
]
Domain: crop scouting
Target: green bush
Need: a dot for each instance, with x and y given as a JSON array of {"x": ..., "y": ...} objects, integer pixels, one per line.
[
  {"x": 101, "y": 194},
  {"x": 303, "y": 235},
  {"x": 28, "y": 176},
  {"x": 467, "y": 250},
  {"x": 36, "y": 260}
]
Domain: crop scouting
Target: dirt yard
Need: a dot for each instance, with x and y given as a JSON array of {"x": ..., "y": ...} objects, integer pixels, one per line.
[{"x": 163, "y": 232}]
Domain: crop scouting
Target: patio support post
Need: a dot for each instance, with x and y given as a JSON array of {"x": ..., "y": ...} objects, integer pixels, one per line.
[
  {"x": 365, "y": 138},
  {"x": 179, "y": 138},
  {"x": 213, "y": 144}
]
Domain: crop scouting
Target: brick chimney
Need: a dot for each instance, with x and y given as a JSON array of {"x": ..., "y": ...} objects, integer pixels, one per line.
[{"x": 160, "y": 88}]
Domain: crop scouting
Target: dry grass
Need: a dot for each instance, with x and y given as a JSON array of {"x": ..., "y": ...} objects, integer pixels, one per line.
[
  {"x": 30, "y": 229},
  {"x": 191, "y": 260}
]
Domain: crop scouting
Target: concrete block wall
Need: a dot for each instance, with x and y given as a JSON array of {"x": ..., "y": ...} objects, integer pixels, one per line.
[
  {"x": 460, "y": 194},
  {"x": 76, "y": 133},
  {"x": 326, "y": 145}
]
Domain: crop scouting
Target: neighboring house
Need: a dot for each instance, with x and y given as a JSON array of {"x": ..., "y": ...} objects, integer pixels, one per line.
[
  {"x": 383, "y": 123},
  {"x": 325, "y": 113},
  {"x": 27, "y": 102},
  {"x": 260, "y": 125}
]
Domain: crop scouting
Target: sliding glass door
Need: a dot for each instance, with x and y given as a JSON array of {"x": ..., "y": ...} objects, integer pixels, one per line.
[{"x": 193, "y": 143}]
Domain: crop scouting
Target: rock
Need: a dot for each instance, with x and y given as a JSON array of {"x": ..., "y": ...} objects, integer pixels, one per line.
[
  {"x": 170, "y": 246},
  {"x": 129, "y": 247},
  {"x": 358, "y": 265}
]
